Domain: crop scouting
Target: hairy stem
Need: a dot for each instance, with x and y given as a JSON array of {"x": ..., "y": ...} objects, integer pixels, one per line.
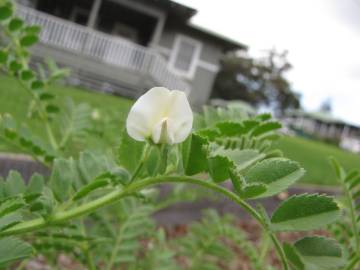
[
  {"x": 115, "y": 249},
  {"x": 352, "y": 264},
  {"x": 42, "y": 112},
  {"x": 119, "y": 193},
  {"x": 24, "y": 150},
  {"x": 353, "y": 217},
  {"x": 144, "y": 157},
  {"x": 85, "y": 248}
]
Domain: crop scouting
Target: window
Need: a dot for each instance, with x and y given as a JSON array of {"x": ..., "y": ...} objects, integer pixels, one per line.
[{"x": 185, "y": 56}]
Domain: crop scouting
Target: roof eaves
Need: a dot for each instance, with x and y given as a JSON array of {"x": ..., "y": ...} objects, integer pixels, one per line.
[{"x": 235, "y": 44}]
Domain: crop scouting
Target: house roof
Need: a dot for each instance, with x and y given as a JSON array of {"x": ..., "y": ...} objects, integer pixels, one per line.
[
  {"x": 175, "y": 9},
  {"x": 185, "y": 13},
  {"x": 324, "y": 117},
  {"x": 229, "y": 44}
]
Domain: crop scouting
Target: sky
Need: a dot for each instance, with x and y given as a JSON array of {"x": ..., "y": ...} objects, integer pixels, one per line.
[{"x": 322, "y": 37}]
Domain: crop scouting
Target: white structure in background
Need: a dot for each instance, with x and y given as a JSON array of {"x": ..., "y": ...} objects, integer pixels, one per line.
[{"x": 326, "y": 127}]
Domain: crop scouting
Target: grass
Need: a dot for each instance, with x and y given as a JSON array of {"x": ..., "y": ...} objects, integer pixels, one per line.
[
  {"x": 313, "y": 156},
  {"x": 15, "y": 100}
]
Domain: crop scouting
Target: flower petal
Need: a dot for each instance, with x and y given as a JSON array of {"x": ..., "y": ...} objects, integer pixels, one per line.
[
  {"x": 162, "y": 132},
  {"x": 180, "y": 117},
  {"x": 146, "y": 112}
]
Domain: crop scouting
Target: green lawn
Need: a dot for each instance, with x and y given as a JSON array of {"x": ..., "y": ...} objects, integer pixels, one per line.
[
  {"x": 15, "y": 100},
  {"x": 313, "y": 156}
]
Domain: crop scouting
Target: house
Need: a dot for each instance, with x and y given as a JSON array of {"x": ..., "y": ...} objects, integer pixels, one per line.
[
  {"x": 324, "y": 126},
  {"x": 128, "y": 46}
]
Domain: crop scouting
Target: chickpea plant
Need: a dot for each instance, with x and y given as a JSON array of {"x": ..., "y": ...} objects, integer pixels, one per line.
[{"x": 163, "y": 142}]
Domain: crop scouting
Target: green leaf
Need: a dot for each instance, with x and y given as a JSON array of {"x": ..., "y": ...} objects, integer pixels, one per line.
[
  {"x": 194, "y": 155},
  {"x": 5, "y": 13},
  {"x": 221, "y": 160},
  {"x": 320, "y": 253},
  {"x": 243, "y": 159},
  {"x": 9, "y": 125},
  {"x": 50, "y": 108},
  {"x": 91, "y": 166},
  {"x": 29, "y": 40},
  {"x": 75, "y": 121},
  {"x": 10, "y": 205},
  {"x": 62, "y": 177},
  {"x": 340, "y": 172},
  {"x": 27, "y": 75},
  {"x": 15, "y": 184},
  {"x": 230, "y": 128},
  {"x": 12, "y": 249},
  {"x": 15, "y": 66},
  {"x": 9, "y": 221},
  {"x": 3, "y": 57},
  {"x": 46, "y": 96},
  {"x": 265, "y": 127},
  {"x": 252, "y": 190},
  {"x": 219, "y": 167},
  {"x": 44, "y": 204},
  {"x": 305, "y": 212},
  {"x": 153, "y": 159},
  {"x": 36, "y": 184},
  {"x": 263, "y": 116},
  {"x": 96, "y": 184},
  {"x": 277, "y": 173},
  {"x": 37, "y": 85},
  {"x": 294, "y": 257},
  {"x": 32, "y": 30},
  {"x": 15, "y": 24}
]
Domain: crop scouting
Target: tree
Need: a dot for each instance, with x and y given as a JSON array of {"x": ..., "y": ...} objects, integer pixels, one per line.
[
  {"x": 326, "y": 106},
  {"x": 257, "y": 81}
]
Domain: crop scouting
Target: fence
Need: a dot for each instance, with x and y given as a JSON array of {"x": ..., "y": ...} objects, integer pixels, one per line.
[{"x": 113, "y": 50}]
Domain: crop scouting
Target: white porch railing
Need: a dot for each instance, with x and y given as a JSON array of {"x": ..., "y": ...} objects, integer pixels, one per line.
[{"x": 107, "y": 48}]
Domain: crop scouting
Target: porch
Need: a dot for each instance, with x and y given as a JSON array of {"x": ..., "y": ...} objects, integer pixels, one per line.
[{"x": 99, "y": 60}]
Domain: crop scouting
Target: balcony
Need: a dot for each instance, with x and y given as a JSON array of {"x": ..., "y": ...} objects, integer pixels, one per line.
[{"x": 103, "y": 49}]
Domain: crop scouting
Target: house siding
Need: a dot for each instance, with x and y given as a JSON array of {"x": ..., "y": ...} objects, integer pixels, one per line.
[{"x": 202, "y": 81}]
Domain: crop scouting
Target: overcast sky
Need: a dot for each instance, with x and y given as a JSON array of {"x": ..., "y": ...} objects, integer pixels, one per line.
[{"x": 322, "y": 37}]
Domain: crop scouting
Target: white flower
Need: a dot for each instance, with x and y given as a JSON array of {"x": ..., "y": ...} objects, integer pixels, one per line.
[{"x": 160, "y": 114}]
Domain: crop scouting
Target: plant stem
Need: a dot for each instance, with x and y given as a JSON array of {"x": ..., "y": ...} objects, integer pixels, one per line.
[
  {"x": 144, "y": 157},
  {"x": 42, "y": 112},
  {"x": 43, "y": 116},
  {"x": 62, "y": 216},
  {"x": 352, "y": 264},
  {"x": 353, "y": 214},
  {"x": 279, "y": 250},
  {"x": 115, "y": 249},
  {"x": 265, "y": 243},
  {"x": 24, "y": 150},
  {"x": 85, "y": 248}
]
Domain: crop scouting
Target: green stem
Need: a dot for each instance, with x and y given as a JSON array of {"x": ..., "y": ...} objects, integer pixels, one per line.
[
  {"x": 352, "y": 264},
  {"x": 22, "y": 265},
  {"x": 42, "y": 112},
  {"x": 279, "y": 250},
  {"x": 85, "y": 248},
  {"x": 265, "y": 243},
  {"x": 144, "y": 157},
  {"x": 353, "y": 217},
  {"x": 62, "y": 216},
  {"x": 115, "y": 249},
  {"x": 24, "y": 150}
]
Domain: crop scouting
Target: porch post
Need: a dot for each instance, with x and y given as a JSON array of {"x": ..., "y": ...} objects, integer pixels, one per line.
[
  {"x": 94, "y": 13},
  {"x": 158, "y": 31}
]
